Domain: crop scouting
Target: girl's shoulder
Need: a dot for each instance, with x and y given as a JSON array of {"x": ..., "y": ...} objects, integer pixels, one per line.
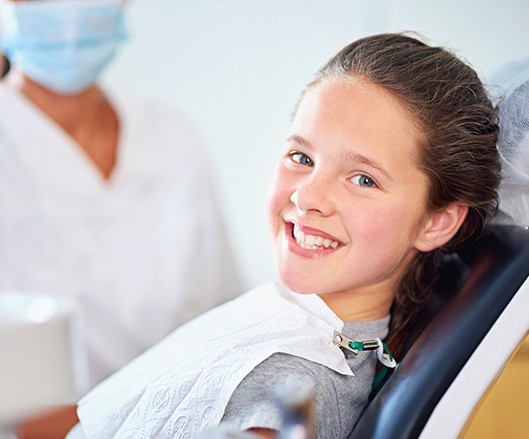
[{"x": 337, "y": 399}]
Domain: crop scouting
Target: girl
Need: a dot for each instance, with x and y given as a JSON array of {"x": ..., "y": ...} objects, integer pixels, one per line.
[{"x": 390, "y": 162}]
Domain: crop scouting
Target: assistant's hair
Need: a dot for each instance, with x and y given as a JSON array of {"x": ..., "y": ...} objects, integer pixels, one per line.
[{"x": 459, "y": 157}]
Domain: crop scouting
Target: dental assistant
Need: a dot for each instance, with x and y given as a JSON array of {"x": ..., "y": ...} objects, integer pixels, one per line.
[{"x": 106, "y": 198}]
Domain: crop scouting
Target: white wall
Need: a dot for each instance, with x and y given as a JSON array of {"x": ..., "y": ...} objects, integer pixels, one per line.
[{"x": 237, "y": 66}]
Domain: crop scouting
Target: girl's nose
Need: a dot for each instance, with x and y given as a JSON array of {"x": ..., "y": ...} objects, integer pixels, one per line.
[{"x": 313, "y": 197}]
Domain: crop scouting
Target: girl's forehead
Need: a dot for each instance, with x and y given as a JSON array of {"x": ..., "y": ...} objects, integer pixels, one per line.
[
  {"x": 352, "y": 117},
  {"x": 349, "y": 91},
  {"x": 353, "y": 105}
]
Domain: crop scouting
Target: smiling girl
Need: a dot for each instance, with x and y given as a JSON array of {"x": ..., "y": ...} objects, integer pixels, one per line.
[{"x": 389, "y": 164}]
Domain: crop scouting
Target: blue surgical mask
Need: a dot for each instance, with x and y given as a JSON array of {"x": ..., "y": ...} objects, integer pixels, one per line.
[{"x": 63, "y": 45}]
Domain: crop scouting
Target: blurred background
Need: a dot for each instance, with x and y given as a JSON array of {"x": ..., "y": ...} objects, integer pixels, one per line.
[{"x": 236, "y": 68}]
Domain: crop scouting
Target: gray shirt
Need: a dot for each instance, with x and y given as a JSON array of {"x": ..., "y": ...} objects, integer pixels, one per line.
[{"x": 338, "y": 399}]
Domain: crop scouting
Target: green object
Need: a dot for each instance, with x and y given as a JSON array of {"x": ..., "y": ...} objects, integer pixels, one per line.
[
  {"x": 388, "y": 351},
  {"x": 358, "y": 345},
  {"x": 371, "y": 345},
  {"x": 379, "y": 378}
]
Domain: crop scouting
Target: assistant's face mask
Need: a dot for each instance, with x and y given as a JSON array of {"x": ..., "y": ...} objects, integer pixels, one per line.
[{"x": 63, "y": 45}]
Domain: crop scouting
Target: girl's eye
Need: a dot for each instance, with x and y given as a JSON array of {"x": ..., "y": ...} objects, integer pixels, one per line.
[
  {"x": 363, "y": 181},
  {"x": 300, "y": 158}
]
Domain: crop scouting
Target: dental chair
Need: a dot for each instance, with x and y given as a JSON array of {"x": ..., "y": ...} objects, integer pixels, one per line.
[{"x": 468, "y": 330}]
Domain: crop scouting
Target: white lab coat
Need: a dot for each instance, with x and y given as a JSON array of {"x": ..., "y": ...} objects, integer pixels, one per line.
[{"x": 139, "y": 253}]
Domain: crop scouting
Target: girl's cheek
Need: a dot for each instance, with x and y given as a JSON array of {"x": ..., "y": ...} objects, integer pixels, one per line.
[
  {"x": 278, "y": 197},
  {"x": 279, "y": 186},
  {"x": 368, "y": 222}
]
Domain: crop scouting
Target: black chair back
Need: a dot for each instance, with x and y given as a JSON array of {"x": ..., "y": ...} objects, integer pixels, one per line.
[{"x": 470, "y": 297}]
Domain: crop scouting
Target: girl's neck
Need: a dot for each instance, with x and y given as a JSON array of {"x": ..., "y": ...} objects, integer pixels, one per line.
[
  {"x": 369, "y": 302},
  {"x": 358, "y": 306}
]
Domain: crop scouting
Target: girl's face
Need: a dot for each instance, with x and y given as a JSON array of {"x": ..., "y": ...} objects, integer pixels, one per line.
[{"x": 347, "y": 203}]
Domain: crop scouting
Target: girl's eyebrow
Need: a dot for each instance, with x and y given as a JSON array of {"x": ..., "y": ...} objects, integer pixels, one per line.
[
  {"x": 351, "y": 156},
  {"x": 299, "y": 140},
  {"x": 346, "y": 156}
]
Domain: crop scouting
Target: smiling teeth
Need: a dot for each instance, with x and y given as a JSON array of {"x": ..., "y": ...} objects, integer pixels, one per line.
[{"x": 313, "y": 242}]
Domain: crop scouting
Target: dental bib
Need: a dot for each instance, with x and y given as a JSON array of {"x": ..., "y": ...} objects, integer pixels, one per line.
[{"x": 183, "y": 384}]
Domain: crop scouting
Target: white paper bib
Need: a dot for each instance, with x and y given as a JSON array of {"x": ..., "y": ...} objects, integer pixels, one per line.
[{"x": 182, "y": 385}]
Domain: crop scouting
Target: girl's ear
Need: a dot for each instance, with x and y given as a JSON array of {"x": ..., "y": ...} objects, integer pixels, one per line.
[{"x": 441, "y": 226}]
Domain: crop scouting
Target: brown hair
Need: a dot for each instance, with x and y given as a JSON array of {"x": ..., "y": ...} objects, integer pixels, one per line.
[{"x": 452, "y": 108}]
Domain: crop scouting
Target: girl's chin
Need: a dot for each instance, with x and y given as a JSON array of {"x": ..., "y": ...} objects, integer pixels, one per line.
[{"x": 297, "y": 286}]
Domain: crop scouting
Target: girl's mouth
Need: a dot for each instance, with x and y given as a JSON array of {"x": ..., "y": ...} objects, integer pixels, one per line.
[
  {"x": 312, "y": 242},
  {"x": 308, "y": 242}
]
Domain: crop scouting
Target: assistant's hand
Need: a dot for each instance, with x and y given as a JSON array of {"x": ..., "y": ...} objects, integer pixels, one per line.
[{"x": 53, "y": 424}]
